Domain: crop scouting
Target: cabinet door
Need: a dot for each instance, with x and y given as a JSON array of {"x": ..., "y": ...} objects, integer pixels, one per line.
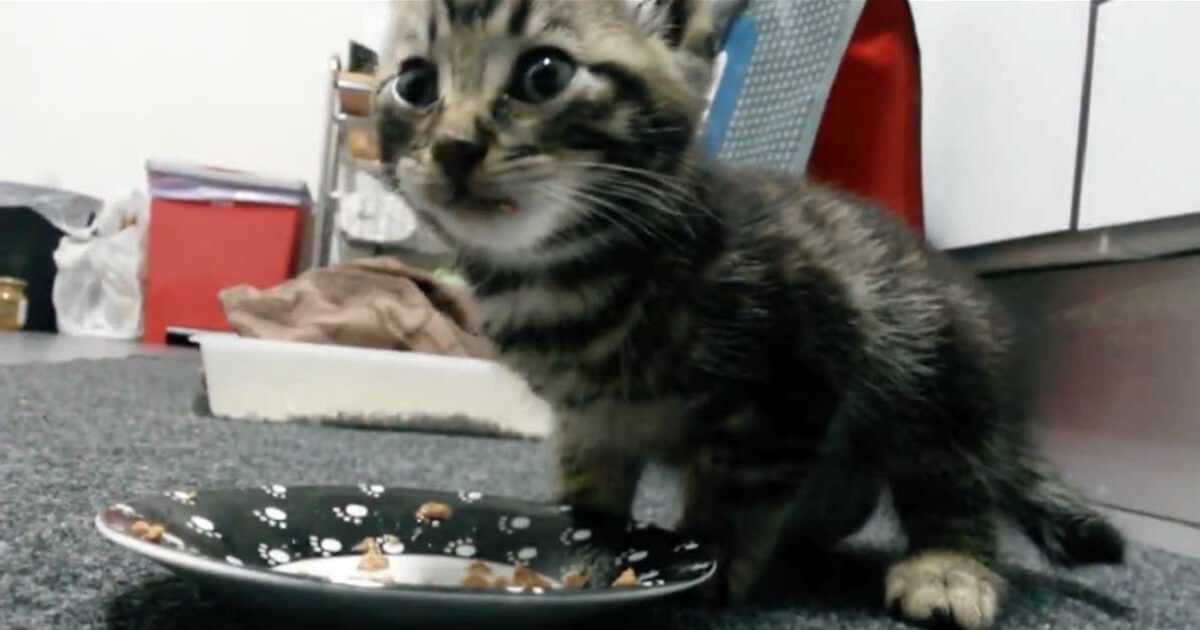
[
  {"x": 1143, "y": 148},
  {"x": 1002, "y": 85}
]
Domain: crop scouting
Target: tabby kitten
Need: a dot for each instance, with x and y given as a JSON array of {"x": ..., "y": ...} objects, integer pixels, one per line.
[{"x": 793, "y": 350}]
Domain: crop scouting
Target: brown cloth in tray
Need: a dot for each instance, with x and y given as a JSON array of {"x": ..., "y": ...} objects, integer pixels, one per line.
[{"x": 371, "y": 303}]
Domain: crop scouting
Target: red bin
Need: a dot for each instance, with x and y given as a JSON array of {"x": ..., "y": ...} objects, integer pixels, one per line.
[{"x": 211, "y": 229}]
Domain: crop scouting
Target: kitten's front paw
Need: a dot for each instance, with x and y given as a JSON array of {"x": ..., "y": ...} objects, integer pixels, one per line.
[
  {"x": 733, "y": 584},
  {"x": 720, "y": 590},
  {"x": 741, "y": 577},
  {"x": 946, "y": 587},
  {"x": 713, "y": 592}
]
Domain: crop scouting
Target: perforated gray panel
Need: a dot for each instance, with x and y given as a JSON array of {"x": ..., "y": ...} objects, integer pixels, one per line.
[{"x": 800, "y": 45}]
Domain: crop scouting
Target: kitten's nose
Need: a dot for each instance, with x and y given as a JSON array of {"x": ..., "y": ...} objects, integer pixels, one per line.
[{"x": 459, "y": 158}]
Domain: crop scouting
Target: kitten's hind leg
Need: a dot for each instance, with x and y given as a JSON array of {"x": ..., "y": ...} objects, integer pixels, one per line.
[{"x": 951, "y": 530}]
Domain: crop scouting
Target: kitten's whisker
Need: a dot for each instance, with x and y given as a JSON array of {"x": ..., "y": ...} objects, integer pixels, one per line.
[
  {"x": 665, "y": 197},
  {"x": 612, "y": 212},
  {"x": 662, "y": 130},
  {"x": 653, "y": 198},
  {"x": 640, "y": 172},
  {"x": 685, "y": 194},
  {"x": 609, "y": 212},
  {"x": 657, "y": 190},
  {"x": 572, "y": 197}
]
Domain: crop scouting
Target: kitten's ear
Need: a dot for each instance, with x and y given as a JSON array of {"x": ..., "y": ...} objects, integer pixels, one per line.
[
  {"x": 362, "y": 59},
  {"x": 688, "y": 29},
  {"x": 685, "y": 25}
]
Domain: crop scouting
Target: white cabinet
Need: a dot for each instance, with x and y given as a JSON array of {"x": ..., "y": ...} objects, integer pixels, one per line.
[
  {"x": 1143, "y": 148},
  {"x": 1001, "y": 85}
]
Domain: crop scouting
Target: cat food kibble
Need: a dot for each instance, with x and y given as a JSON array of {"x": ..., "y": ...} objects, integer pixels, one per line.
[
  {"x": 525, "y": 577},
  {"x": 476, "y": 582},
  {"x": 372, "y": 559},
  {"x": 626, "y": 579},
  {"x": 481, "y": 568},
  {"x": 575, "y": 579},
  {"x": 477, "y": 576},
  {"x": 434, "y": 511},
  {"x": 149, "y": 532}
]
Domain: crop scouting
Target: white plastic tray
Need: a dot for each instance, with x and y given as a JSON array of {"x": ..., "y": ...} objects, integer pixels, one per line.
[{"x": 279, "y": 381}]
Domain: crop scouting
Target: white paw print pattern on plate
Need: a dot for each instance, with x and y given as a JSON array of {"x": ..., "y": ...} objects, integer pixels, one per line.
[
  {"x": 512, "y": 524},
  {"x": 275, "y": 490},
  {"x": 324, "y": 546},
  {"x": 272, "y": 516},
  {"x": 182, "y": 497},
  {"x": 650, "y": 578},
  {"x": 632, "y": 556},
  {"x": 690, "y": 545},
  {"x": 470, "y": 496},
  {"x": 273, "y": 555},
  {"x": 372, "y": 490},
  {"x": 463, "y": 548},
  {"x": 521, "y": 556},
  {"x": 563, "y": 508},
  {"x": 235, "y": 561},
  {"x": 388, "y": 544},
  {"x": 204, "y": 527},
  {"x": 699, "y": 567},
  {"x": 352, "y": 513},
  {"x": 572, "y": 536},
  {"x": 391, "y": 545}
]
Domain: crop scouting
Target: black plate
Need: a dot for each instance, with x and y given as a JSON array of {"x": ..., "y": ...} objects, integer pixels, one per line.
[{"x": 240, "y": 542}]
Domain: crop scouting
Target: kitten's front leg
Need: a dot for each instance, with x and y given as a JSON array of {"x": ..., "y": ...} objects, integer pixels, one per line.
[
  {"x": 596, "y": 477},
  {"x": 743, "y": 525}
]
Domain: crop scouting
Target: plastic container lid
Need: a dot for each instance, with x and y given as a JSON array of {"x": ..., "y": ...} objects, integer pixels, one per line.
[{"x": 193, "y": 182}]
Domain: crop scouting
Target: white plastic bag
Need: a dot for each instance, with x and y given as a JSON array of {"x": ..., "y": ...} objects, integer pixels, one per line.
[{"x": 99, "y": 286}]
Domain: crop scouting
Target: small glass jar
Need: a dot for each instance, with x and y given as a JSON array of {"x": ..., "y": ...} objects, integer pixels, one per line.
[{"x": 13, "y": 304}]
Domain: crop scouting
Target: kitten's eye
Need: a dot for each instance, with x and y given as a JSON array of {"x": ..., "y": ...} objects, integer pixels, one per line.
[
  {"x": 541, "y": 74},
  {"x": 417, "y": 83}
]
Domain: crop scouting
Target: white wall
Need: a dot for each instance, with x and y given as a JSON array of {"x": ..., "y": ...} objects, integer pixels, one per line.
[{"x": 89, "y": 90}]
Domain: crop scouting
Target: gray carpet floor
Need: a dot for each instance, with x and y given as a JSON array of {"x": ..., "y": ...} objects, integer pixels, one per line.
[{"x": 77, "y": 437}]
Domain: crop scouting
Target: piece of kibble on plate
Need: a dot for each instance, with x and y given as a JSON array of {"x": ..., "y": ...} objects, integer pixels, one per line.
[
  {"x": 372, "y": 559},
  {"x": 626, "y": 579},
  {"x": 476, "y": 582},
  {"x": 149, "y": 532},
  {"x": 575, "y": 579},
  {"x": 478, "y": 567},
  {"x": 434, "y": 511},
  {"x": 525, "y": 577}
]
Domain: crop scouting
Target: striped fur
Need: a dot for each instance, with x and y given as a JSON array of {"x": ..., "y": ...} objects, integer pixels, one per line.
[{"x": 790, "y": 347}]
